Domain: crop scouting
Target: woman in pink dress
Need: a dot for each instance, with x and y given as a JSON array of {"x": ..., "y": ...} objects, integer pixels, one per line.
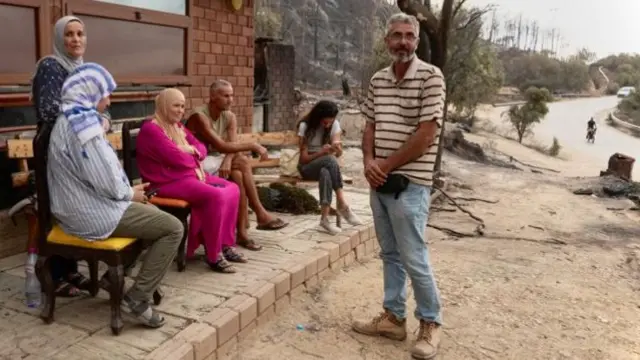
[{"x": 170, "y": 159}]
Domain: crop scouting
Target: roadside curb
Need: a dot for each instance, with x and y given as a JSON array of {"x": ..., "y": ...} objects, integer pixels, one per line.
[{"x": 625, "y": 124}]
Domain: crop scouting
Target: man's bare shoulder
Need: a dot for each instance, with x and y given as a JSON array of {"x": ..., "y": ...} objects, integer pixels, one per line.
[{"x": 196, "y": 122}]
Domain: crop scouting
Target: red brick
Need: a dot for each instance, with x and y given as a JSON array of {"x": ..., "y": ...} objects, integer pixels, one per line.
[
  {"x": 222, "y": 38},
  {"x": 227, "y": 49},
  {"x": 197, "y": 12},
  {"x": 246, "y": 307},
  {"x": 221, "y": 17},
  {"x": 226, "y": 28},
  {"x": 216, "y": 48},
  {"x": 226, "y": 322},
  {"x": 210, "y": 37},
  {"x": 204, "y": 47},
  {"x": 210, "y": 14},
  {"x": 202, "y": 69},
  {"x": 215, "y": 27},
  {"x": 201, "y": 24},
  {"x": 232, "y": 60}
]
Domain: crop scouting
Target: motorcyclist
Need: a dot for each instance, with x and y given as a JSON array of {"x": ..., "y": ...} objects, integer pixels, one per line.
[{"x": 591, "y": 127}]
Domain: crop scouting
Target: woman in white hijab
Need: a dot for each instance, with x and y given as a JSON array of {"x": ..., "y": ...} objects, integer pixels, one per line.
[{"x": 51, "y": 72}]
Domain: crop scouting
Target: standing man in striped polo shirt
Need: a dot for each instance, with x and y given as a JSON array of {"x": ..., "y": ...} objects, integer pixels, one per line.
[{"x": 404, "y": 110}]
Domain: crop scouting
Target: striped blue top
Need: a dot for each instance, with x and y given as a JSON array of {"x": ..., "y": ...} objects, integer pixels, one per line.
[{"x": 88, "y": 188}]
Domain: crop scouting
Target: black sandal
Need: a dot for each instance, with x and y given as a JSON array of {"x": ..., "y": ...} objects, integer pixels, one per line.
[
  {"x": 67, "y": 290},
  {"x": 231, "y": 254},
  {"x": 79, "y": 281},
  {"x": 250, "y": 244},
  {"x": 222, "y": 266}
]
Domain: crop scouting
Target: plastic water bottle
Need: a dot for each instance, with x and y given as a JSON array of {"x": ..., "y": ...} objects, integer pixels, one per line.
[{"x": 32, "y": 289}]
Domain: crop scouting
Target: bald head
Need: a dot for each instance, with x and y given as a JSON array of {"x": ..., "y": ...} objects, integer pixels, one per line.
[{"x": 221, "y": 94}]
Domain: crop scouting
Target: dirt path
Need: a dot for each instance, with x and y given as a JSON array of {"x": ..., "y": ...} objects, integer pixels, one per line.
[{"x": 556, "y": 276}]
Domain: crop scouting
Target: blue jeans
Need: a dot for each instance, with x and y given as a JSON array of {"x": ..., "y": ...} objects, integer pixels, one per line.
[{"x": 400, "y": 227}]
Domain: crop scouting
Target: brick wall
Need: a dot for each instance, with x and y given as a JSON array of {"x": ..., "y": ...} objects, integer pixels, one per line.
[
  {"x": 280, "y": 72},
  {"x": 223, "y": 46},
  {"x": 223, "y": 49}
]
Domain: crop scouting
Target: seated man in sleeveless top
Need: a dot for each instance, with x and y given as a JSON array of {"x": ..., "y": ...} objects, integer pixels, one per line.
[{"x": 215, "y": 125}]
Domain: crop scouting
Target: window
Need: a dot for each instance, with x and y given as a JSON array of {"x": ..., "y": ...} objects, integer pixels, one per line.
[
  {"x": 138, "y": 45},
  {"x": 171, "y": 6},
  {"x": 23, "y": 30}
]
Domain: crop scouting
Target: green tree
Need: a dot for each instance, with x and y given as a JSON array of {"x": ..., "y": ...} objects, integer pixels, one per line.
[
  {"x": 524, "y": 117},
  {"x": 473, "y": 72}
]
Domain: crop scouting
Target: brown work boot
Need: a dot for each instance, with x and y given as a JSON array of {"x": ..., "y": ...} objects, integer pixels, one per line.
[
  {"x": 385, "y": 324},
  {"x": 426, "y": 346}
]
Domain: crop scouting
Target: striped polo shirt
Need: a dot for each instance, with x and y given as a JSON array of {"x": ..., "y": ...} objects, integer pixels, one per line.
[{"x": 398, "y": 107}]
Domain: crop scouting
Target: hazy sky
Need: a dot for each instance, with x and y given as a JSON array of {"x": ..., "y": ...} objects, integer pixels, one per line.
[{"x": 604, "y": 27}]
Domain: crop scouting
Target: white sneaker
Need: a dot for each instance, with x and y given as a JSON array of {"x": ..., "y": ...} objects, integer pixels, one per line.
[
  {"x": 329, "y": 226},
  {"x": 350, "y": 216}
]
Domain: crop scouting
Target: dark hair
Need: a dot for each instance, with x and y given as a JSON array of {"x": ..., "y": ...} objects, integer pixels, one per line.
[{"x": 321, "y": 110}]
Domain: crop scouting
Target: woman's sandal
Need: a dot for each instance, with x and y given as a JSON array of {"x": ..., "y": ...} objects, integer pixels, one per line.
[
  {"x": 222, "y": 266},
  {"x": 67, "y": 290},
  {"x": 249, "y": 244},
  {"x": 231, "y": 254}
]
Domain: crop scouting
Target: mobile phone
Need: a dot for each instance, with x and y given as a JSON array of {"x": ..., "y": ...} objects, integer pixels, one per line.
[{"x": 150, "y": 193}]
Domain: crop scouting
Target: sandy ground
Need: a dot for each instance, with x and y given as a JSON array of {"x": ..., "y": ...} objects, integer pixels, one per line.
[{"x": 556, "y": 275}]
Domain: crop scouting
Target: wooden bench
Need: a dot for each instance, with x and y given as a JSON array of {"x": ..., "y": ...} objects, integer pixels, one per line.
[
  {"x": 283, "y": 139},
  {"x": 22, "y": 151}
]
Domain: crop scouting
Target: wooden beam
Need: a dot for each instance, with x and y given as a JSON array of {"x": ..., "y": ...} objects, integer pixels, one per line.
[
  {"x": 23, "y": 148},
  {"x": 281, "y": 138}
]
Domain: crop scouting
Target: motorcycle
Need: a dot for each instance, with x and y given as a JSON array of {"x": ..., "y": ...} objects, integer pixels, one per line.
[{"x": 591, "y": 135}]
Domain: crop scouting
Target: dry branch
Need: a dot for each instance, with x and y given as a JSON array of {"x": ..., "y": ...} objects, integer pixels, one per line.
[
  {"x": 477, "y": 199},
  {"x": 513, "y": 159}
]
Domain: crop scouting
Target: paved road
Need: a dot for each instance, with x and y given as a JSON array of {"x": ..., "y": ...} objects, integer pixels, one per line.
[{"x": 568, "y": 122}]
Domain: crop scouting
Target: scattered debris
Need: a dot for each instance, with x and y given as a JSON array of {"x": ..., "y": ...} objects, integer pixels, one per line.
[
  {"x": 619, "y": 165},
  {"x": 608, "y": 186}
]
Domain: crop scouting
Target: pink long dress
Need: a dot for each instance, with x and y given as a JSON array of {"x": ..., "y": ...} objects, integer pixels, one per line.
[{"x": 214, "y": 203}]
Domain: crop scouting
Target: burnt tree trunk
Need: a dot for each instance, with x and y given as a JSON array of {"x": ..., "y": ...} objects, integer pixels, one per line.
[{"x": 434, "y": 49}]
